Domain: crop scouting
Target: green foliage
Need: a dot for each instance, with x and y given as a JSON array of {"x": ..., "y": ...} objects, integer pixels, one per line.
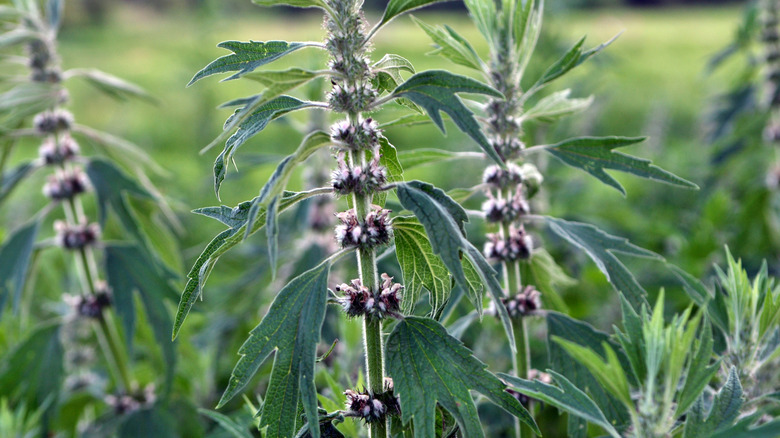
[
  {"x": 15, "y": 256},
  {"x": 428, "y": 366}
]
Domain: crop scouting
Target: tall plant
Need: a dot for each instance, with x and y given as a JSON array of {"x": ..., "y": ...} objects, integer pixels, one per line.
[{"x": 53, "y": 368}]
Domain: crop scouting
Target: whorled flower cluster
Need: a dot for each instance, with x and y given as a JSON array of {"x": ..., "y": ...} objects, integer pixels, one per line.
[
  {"x": 74, "y": 237},
  {"x": 124, "y": 403},
  {"x": 525, "y": 303},
  {"x": 66, "y": 184},
  {"x": 359, "y": 300},
  {"x": 517, "y": 246},
  {"x": 374, "y": 231},
  {"x": 506, "y": 210},
  {"x": 360, "y": 180},
  {"x": 352, "y": 98},
  {"x": 373, "y": 407},
  {"x": 91, "y": 306},
  {"x": 500, "y": 178},
  {"x": 363, "y": 136},
  {"x": 55, "y": 152},
  {"x": 52, "y": 122},
  {"x": 41, "y": 63}
]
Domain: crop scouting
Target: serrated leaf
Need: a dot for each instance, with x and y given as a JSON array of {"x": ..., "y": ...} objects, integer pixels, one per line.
[
  {"x": 388, "y": 157},
  {"x": 565, "y": 396},
  {"x": 725, "y": 409},
  {"x": 443, "y": 221},
  {"x": 700, "y": 371},
  {"x": 292, "y": 329},
  {"x": 15, "y": 255},
  {"x": 129, "y": 270},
  {"x": 601, "y": 248},
  {"x": 397, "y": 7},
  {"x": 253, "y": 124},
  {"x": 556, "y": 106},
  {"x": 428, "y": 366},
  {"x": 420, "y": 267},
  {"x": 111, "y": 85},
  {"x": 247, "y": 56},
  {"x": 563, "y": 327},
  {"x": 14, "y": 176},
  {"x": 594, "y": 154},
  {"x": 237, "y": 219},
  {"x": 572, "y": 58},
  {"x": 435, "y": 91},
  {"x": 451, "y": 45}
]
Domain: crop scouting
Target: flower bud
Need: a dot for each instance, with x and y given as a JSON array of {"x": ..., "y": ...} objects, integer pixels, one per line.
[
  {"x": 524, "y": 303},
  {"x": 66, "y": 185},
  {"x": 50, "y": 122},
  {"x": 73, "y": 237},
  {"x": 372, "y": 232},
  {"x": 518, "y": 245},
  {"x": 363, "y": 180},
  {"x": 52, "y": 152}
]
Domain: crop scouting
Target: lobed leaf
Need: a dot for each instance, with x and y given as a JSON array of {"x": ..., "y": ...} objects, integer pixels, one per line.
[
  {"x": 594, "y": 154},
  {"x": 292, "y": 329},
  {"x": 601, "y": 248},
  {"x": 566, "y": 397},
  {"x": 15, "y": 256},
  {"x": 247, "y": 56},
  {"x": 451, "y": 45},
  {"x": 435, "y": 91},
  {"x": 428, "y": 366}
]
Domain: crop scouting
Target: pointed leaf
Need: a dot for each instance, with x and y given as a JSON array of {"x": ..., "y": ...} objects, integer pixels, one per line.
[
  {"x": 607, "y": 370},
  {"x": 227, "y": 423},
  {"x": 435, "y": 91},
  {"x": 702, "y": 297},
  {"x": 700, "y": 371},
  {"x": 397, "y": 7},
  {"x": 594, "y": 154},
  {"x": 15, "y": 255},
  {"x": 443, "y": 221},
  {"x": 451, "y": 45},
  {"x": 601, "y": 248},
  {"x": 428, "y": 366},
  {"x": 725, "y": 409},
  {"x": 574, "y": 57},
  {"x": 111, "y": 85},
  {"x": 247, "y": 56},
  {"x": 566, "y": 397},
  {"x": 256, "y": 122},
  {"x": 556, "y": 106},
  {"x": 292, "y": 329},
  {"x": 278, "y": 82}
]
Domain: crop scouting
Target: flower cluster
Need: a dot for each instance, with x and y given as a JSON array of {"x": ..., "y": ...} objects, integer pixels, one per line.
[
  {"x": 41, "y": 63},
  {"x": 91, "y": 306},
  {"x": 124, "y": 403},
  {"x": 506, "y": 210},
  {"x": 352, "y": 98},
  {"x": 524, "y": 303},
  {"x": 51, "y": 122},
  {"x": 361, "y": 180},
  {"x": 76, "y": 236},
  {"x": 58, "y": 151},
  {"x": 373, "y": 407},
  {"x": 66, "y": 184},
  {"x": 359, "y": 300},
  {"x": 500, "y": 178},
  {"x": 372, "y": 232},
  {"x": 363, "y": 136},
  {"x": 518, "y": 245}
]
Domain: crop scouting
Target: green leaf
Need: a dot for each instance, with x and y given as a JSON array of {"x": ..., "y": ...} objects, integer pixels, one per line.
[
  {"x": 14, "y": 176},
  {"x": 247, "y": 56},
  {"x": 703, "y": 298},
  {"x": 388, "y": 157},
  {"x": 574, "y": 57},
  {"x": 601, "y": 248},
  {"x": 227, "y": 424},
  {"x": 420, "y": 267},
  {"x": 566, "y": 397},
  {"x": 407, "y": 120},
  {"x": 725, "y": 409},
  {"x": 443, "y": 221},
  {"x": 700, "y": 372},
  {"x": 278, "y": 82},
  {"x": 451, "y": 45},
  {"x": 113, "y": 86},
  {"x": 256, "y": 122},
  {"x": 594, "y": 154},
  {"x": 393, "y": 63},
  {"x": 421, "y": 157},
  {"x": 294, "y": 3},
  {"x": 484, "y": 14},
  {"x": 397, "y": 7},
  {"x": 32, "y": 371},
  {"x": 428, "y": 366},
  {"x": 129, "y": 154},
  {"x": 292, "y": 328},
  {"x": 15, "y": 255},
  {"x": 528, "y": 26},
  {"x": 542, "y": 271},
  {"x": 237, "y": 219},
  {"x": 435, "y": 91},
  {"x": 129, "y": 270},
  {"x": 743, "y": 430},
  {"x": 148, "y": 422},
  {"x": 556, "y": 106}
]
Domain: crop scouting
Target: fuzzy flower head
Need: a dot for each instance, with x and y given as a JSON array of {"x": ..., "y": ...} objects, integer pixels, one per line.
[
  {"x": 124, "y": 403},
  {"x": 352, "y": 98},
  {"x": 373, "y": 407},
  {"x": 66, "y": 185},
  {"x": 360, "y": 180},
  {"x": 91, "y": 306},
  {"x": 359, "y": 300},
  {"x": 363, "y": 136},
  {"x": 506, "y": 210},
  {"x": 50, "y": 122},
  {"x": 502, "y": 178},
  {"x": 74, "y": 237},
  {"x": 57, "y": 152},
  {"x": 368, "y": 234},
  {"x": 507, "y": 148},
  {"x": 524, "y": 303},
  {"x": 518, "y": 245}
]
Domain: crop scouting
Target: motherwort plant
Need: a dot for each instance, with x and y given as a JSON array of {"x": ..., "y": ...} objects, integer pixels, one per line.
[
  {"x": 512, "y": 29},
  {"x": 54, "y": 369}
]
